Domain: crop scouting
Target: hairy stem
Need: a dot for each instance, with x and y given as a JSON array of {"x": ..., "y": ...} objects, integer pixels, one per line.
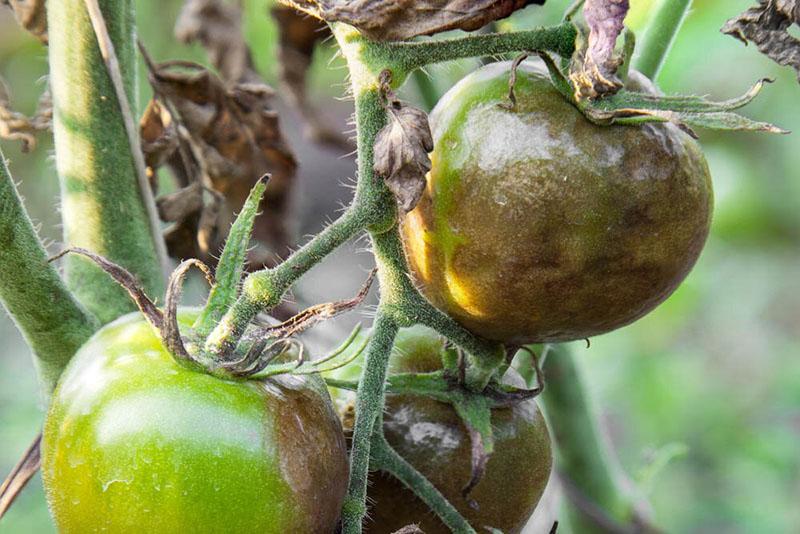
[
  {"x": 54, "y": 324},
  {"x": 657, "y": 39},
  {"x": 263, "y": 290},
  {"x": 101, "y": 204},
  {"x": 596, "y": 502},
  {"x": 404, "y": 57},
  {"x": 369, "y": 405},
  {"x": 385, "y": 458}
]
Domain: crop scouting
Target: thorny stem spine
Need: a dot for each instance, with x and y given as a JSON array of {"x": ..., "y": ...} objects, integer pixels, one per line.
[{"x": 657, "y": 39}]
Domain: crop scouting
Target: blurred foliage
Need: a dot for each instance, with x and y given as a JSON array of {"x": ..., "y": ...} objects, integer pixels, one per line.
[{"x": 707, "y": 385}]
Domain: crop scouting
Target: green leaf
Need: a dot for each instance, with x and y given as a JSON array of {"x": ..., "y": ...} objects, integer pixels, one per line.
[{"x": 231, "y": 264}]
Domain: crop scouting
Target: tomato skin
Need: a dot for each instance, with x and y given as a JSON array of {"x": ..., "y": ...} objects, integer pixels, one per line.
[
  {"x": 537, "y": 225},
  {"x": 134, "y": 442},
  {"x": 430, "y": 435}
]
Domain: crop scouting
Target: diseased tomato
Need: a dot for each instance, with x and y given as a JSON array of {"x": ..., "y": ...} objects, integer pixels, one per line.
[
  {"x": 537, "y": 225},
  {"x": 433, "y": 439},
  {"x": 134, "y": 442}
]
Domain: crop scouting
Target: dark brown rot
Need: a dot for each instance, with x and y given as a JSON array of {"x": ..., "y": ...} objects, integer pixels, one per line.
[{"x": 537, "y": 225}]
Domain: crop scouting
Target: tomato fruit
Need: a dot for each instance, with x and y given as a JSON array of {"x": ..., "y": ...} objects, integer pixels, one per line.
[
  {"x": 537, "y": 225},
  {"x": 134, "y": 442},
  {"x": 430, "y": 435}
]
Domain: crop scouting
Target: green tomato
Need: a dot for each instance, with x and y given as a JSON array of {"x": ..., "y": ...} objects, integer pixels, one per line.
[
  {"x": 134, "y": 442},
  {"x": 430, "y": 435},
  {"x": 537, "y": 225}
]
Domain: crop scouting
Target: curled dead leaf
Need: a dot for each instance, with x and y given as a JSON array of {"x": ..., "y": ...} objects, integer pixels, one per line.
[
  {"x": 401, "y": 150},
  {"x": 767, "y": 25},
  {"x": 593, "y": 68},
  {"x": 392, "y": 20},
  {"x": 31, "y": 15},
  {"x": 218, "y": 140}
]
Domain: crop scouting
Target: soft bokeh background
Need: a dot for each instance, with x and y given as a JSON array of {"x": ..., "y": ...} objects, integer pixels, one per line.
[{"x": 701, "y": 398}]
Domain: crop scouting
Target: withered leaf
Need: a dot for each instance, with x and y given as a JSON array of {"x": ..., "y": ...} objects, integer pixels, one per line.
[
  {"x": 397, "y": 20},
  {"x": 593, "y": 69},
  {"x": 298, "y": 35},
  {"x": 17, "y": 126},
  {"x": 767, "y": 26},
  {"x": 217, "y": 25},
  {"x": 31, "y": 15},
  {"x": 227, "y": 138},
  {"x": 401, "y": 153}
]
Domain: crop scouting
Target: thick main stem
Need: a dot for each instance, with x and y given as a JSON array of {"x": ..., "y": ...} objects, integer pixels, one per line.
[
  {"x": 658, "y": 37},
  {"x": 596, "y": 502},
  {"x": 101, "y": 204},
  {"x": 54, "y": 324}
]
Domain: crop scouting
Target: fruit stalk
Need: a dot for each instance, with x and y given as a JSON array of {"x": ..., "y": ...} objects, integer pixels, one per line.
[
  {"x": 657, "y": 39},
  {"x": 101, "y": 205},
  {"x": 385, "y": 458},
  {"x": 53, "y": 322}
]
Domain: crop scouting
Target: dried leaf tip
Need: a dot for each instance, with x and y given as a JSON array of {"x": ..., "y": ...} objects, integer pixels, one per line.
[
  {"x": 767, "y": 26},
  {"x": 398, "y": 20},
  {"x": 593, "y": 70},
  {"x": 401, "y": 148}
]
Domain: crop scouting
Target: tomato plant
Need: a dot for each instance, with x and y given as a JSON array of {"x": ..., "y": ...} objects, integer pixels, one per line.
[
  {"x": 135, "y": 442},
  {"x": 537, "y": 225}
]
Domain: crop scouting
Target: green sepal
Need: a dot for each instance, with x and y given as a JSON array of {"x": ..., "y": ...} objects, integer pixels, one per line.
[
  {"x": 686, "y": 111},
  {"x": 231, "y": 263}
]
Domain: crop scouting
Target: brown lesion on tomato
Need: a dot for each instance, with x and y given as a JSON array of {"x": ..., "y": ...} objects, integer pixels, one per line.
[{"x": 306, "y": 424}]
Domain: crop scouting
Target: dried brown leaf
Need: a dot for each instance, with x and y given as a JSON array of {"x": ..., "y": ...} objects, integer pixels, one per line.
[
  {"x": 401, "y": 151},
  {"x": 31, "y": 15},
  {"x": 397, "y": 20},
  {"x": 227, "y": 137},
  {"x": 217, "y": 25},
  {"x": 22, "y": 473},
  {"x": 593, "y": 69},
  {"x": 767, "y": 26},
  {"x": 298, "y": 35},
  {"x": 17, "y": 126}
]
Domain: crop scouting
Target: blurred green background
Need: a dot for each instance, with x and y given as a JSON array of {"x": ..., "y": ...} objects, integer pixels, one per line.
[{"x": 711, "y": 379}]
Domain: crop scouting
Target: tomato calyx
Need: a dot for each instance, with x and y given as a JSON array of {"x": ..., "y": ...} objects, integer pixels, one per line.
[{"x": 265, "y": 349}]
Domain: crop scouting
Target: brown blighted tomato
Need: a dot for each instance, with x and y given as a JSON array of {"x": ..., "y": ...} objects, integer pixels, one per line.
[
  {"x": 537, "y": 225},
  {"x": 433, "y": 439}
]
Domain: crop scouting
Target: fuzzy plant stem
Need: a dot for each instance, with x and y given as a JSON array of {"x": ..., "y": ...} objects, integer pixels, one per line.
[
  {"x": 385, "y": 458},
  {"x": 101, "y": 204},
  {"x": 369, "y": 405},
  {"x": 54, "y": 324},
  {"x": 596, "y": 502},
  {"x": 658, "y": 37}
]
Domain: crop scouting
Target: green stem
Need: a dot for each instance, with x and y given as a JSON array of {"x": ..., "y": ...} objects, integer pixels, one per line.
[
  {"x": 369, "y": 404},
  {"x": 654, "y": 45},
  {"x": 385, "y": 458},
  {"x": 404, "y": 57},
  {"x": 596, "y": 503},
  {"x": 100, "y": 201},
  {"x": 54, "y": 324},
  {"x": 263, "y": 290}
]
